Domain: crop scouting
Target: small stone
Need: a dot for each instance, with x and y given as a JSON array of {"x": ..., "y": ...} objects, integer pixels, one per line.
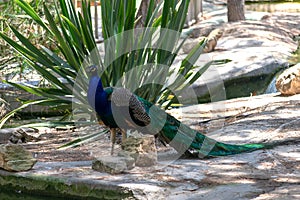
[
  {"x": 15, "y": 157},
  {"x": 24, "y": 135},
  {"x": 288, "y": 83},
  {"x": 142, "y": 149},
  {"x": 19, "y": 135},
  {"x": 113, "y": 164}
]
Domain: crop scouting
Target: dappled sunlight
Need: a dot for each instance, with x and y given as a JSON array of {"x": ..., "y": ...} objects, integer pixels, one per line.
[{"x": 233, "y": 174}]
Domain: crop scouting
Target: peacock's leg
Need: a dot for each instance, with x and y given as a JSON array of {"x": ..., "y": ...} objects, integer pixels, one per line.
[
  {"x": 112, "y": 139},
  {"x": 124, "y": 135}
]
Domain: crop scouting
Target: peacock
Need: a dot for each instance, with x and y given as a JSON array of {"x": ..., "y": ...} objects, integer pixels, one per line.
[{"x": 118, "y": 108}]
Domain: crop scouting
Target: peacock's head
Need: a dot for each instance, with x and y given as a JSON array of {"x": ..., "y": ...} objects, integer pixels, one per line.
[{"x": 92, "y": 70}]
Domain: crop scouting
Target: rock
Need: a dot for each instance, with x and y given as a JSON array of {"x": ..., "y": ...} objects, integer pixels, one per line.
[
  {"x": 142, "y": 149},
  {"x": 288, "y": 83},
  {"x": 25, "y": 135},
  {"x": 113, "y": 164},
  {"x": 21, "y": 135},
  {"x": 15, "y": 158},
  {"x": 212, "y": 40},
  {"x": 190, "y": 44},
  {"x": 257, "y": 50},
  {"x": 196, "y": 32}
]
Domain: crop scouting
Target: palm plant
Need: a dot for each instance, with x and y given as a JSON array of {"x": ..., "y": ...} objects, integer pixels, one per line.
[
  {"x": 72, "y": 34},
  {"x": 157, "y": 46},
  {"x": 73, "y": 38}
]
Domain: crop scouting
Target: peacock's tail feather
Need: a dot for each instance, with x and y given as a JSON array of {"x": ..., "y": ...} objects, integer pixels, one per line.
[{"x": 181, "y": 137}]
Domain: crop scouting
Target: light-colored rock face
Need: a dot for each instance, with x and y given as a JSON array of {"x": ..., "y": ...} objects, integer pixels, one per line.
[
  {"x": 257, "y": 50},
  {"x": 15, "y": 158},
  {"x": 288, "y": 83}
]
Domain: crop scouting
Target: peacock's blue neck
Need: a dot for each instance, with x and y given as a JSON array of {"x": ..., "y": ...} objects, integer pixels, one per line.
[{"x": 97, "y": 97}]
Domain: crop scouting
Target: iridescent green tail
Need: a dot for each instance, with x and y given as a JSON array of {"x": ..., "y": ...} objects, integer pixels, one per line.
[
  {"x": 223, "y": 149},
  {"x": 206, "y": 147},
  {"x": 184, "y": 138}
]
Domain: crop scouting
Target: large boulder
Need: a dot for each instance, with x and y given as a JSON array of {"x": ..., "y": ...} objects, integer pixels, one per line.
[{"x": 257, "y": 50}]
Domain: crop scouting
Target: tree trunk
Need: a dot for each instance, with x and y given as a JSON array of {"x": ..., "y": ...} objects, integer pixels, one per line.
[
  {"x": 236, "y": 10},
  {"x": 142, "y": 13}
]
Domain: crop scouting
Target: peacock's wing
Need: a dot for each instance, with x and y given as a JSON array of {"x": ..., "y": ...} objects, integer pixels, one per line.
[{"x": 123, "y": 98}]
